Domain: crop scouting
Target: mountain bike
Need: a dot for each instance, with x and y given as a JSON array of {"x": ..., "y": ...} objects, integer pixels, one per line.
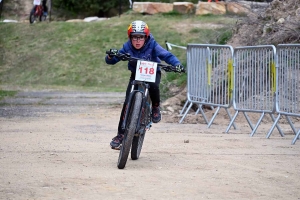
[
  {"x": 37, "y": 13},
  {"x": 137, "y": 119}
]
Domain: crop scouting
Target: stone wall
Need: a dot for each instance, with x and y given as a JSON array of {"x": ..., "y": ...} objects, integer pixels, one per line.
[{"x": 202, "y": 8}]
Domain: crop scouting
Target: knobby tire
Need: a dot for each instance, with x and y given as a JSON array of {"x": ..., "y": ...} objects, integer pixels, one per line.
[
  {"x": 138, "y": 140},
  {"x": 130, "y": 129},
  {"x": 32, "y": 17},
  {"x": 42, "y": 18},
  {"x": 137, "y": 144}
]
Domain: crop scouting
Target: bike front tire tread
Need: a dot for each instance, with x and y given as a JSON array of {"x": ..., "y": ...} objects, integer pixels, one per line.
[
  {"x": 130, "y": 129},
  {"x": 137, "y": 142},
  {"x": 32, "y": 17}
]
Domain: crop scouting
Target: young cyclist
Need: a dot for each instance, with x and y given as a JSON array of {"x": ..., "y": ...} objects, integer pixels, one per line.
[
  {"x": 44, "y": 4},
  {"x": 141, "y": 44}
]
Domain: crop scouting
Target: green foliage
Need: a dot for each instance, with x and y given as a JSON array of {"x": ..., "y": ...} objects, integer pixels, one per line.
[
  {"x": 172, "y": 13},
  {"x": 224, "y": 36},
  {"x": 98, "y": 7},
  {"x": 6, "y": 93},
  {"x": 88, "y": 6}
]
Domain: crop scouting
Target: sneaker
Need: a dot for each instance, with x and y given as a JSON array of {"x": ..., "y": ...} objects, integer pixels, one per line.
[
  {"x": 116, "y": 142},
  {"x": 156, "y": 116}
]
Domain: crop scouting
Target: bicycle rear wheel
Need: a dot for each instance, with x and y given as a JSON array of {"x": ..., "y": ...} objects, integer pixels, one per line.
[
  {"x": 130, "y": 129},
  {"x": 42, "y": 18},
  {"x": 138, "y": 140},
  {"x": 137, "y": 144}
]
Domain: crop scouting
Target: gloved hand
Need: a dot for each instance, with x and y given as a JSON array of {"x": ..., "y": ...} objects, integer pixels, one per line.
[
  {"x": 113, "y": 52},
  {"x": 180, "y": 68}
]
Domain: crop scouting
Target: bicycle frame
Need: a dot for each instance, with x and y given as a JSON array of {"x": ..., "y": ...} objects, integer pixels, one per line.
[{"x": 39, "y": 10}]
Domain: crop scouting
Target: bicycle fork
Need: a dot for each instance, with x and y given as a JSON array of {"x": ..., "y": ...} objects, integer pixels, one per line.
[
  {"x": 143, "y": 123},
  {"x": 129, "y": 104}
]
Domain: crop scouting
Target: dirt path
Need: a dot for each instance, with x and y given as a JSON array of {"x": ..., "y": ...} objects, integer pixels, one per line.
[{"x": 56, "y": 146}]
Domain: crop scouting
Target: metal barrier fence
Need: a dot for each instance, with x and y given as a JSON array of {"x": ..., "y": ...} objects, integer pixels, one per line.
[
  {"x": 255, "y": 83},
  {"x": 258, "y": 79},
  {"x": 288, "y": 85},
  {"x": 210, "y": 78}
]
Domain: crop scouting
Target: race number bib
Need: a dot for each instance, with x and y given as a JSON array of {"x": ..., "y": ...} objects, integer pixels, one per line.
[
  {"x": 36, "y": 2},
  {"x": 146, "y": 71}
]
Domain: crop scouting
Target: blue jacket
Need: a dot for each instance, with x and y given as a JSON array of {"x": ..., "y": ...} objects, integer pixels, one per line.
[{"x": 151, "y": 51}]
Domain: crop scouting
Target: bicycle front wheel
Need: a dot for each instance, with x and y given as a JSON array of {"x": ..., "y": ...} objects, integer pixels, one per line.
[
  {"x": 32, "y": 17},
  {"x": 131, "y": 124},
  {"x": 138, "y": 139}
]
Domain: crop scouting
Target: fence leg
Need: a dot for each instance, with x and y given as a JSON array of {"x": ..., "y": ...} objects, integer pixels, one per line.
[
  {"x": 291, "y": 124},
  {"x": 294, "y": 130},
  {"x": 257, "y": 124},
  {"x": 199, "y": 109},
  {"x": 213, "y": 118},
  {"x": 186, "y": 112},
  {"x": 202, "y": 113},
  {"x": 230, "y": 117},
  {"x": 277, "y": 126},
  {"x": 273, "y": 126},
  {"x": 296, "y": 137},
  {"x": 185, "y": 104},
  {"x": 231, "y": 122},
  {"x": 248, "y": 120}
]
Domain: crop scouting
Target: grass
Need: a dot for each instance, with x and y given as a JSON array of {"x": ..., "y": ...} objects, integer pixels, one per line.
[
  {"x": 71, "y": 55},
  {"x": 5, "y": 93}
]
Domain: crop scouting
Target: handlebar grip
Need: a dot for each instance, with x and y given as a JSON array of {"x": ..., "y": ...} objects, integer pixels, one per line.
[{"x": 107, "y": 52}]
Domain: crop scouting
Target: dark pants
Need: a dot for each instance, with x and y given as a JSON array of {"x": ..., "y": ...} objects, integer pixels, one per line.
[
  {"x": 44, "y": 4},
  {"x": 153, "y": 92}
]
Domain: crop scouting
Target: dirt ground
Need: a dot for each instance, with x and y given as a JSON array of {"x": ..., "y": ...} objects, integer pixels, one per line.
[{"x": 56, "y": 146}]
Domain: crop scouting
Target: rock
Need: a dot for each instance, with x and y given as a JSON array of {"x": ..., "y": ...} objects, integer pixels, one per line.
[
  {"x": 183, "y": 7},
  {"x": 152, "y": 8},
  {"x": 169, "y": 108},
  {"x": 237, "y": 8},
  {"x": 204, "y": 8},
  {"x": 281, "y": 21},
  {"x": 75, "y": 20},
  {"x": 90, "y": 19},
  {"x": 87, "y": 19},
  {"x": 10, "y": 21}
]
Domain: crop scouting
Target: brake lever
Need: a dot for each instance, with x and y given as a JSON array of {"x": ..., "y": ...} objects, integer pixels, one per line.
[{"x": 125, "y": 57}]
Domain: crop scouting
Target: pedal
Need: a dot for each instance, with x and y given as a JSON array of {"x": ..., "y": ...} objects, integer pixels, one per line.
[{"x": 148, "y": 126}]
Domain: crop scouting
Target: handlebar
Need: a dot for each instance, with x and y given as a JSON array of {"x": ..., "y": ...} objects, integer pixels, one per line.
[{"x": 128, "y": 57}]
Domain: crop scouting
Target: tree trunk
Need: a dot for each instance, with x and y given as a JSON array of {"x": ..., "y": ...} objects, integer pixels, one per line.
[{"x": 1, "y": 6}]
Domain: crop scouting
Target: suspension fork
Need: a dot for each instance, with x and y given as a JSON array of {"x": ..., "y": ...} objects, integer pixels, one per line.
[
  {"x": 142, "y": 111},
  {"x": 144, "y": 89},
  {"x": 127, "y": 109}
]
